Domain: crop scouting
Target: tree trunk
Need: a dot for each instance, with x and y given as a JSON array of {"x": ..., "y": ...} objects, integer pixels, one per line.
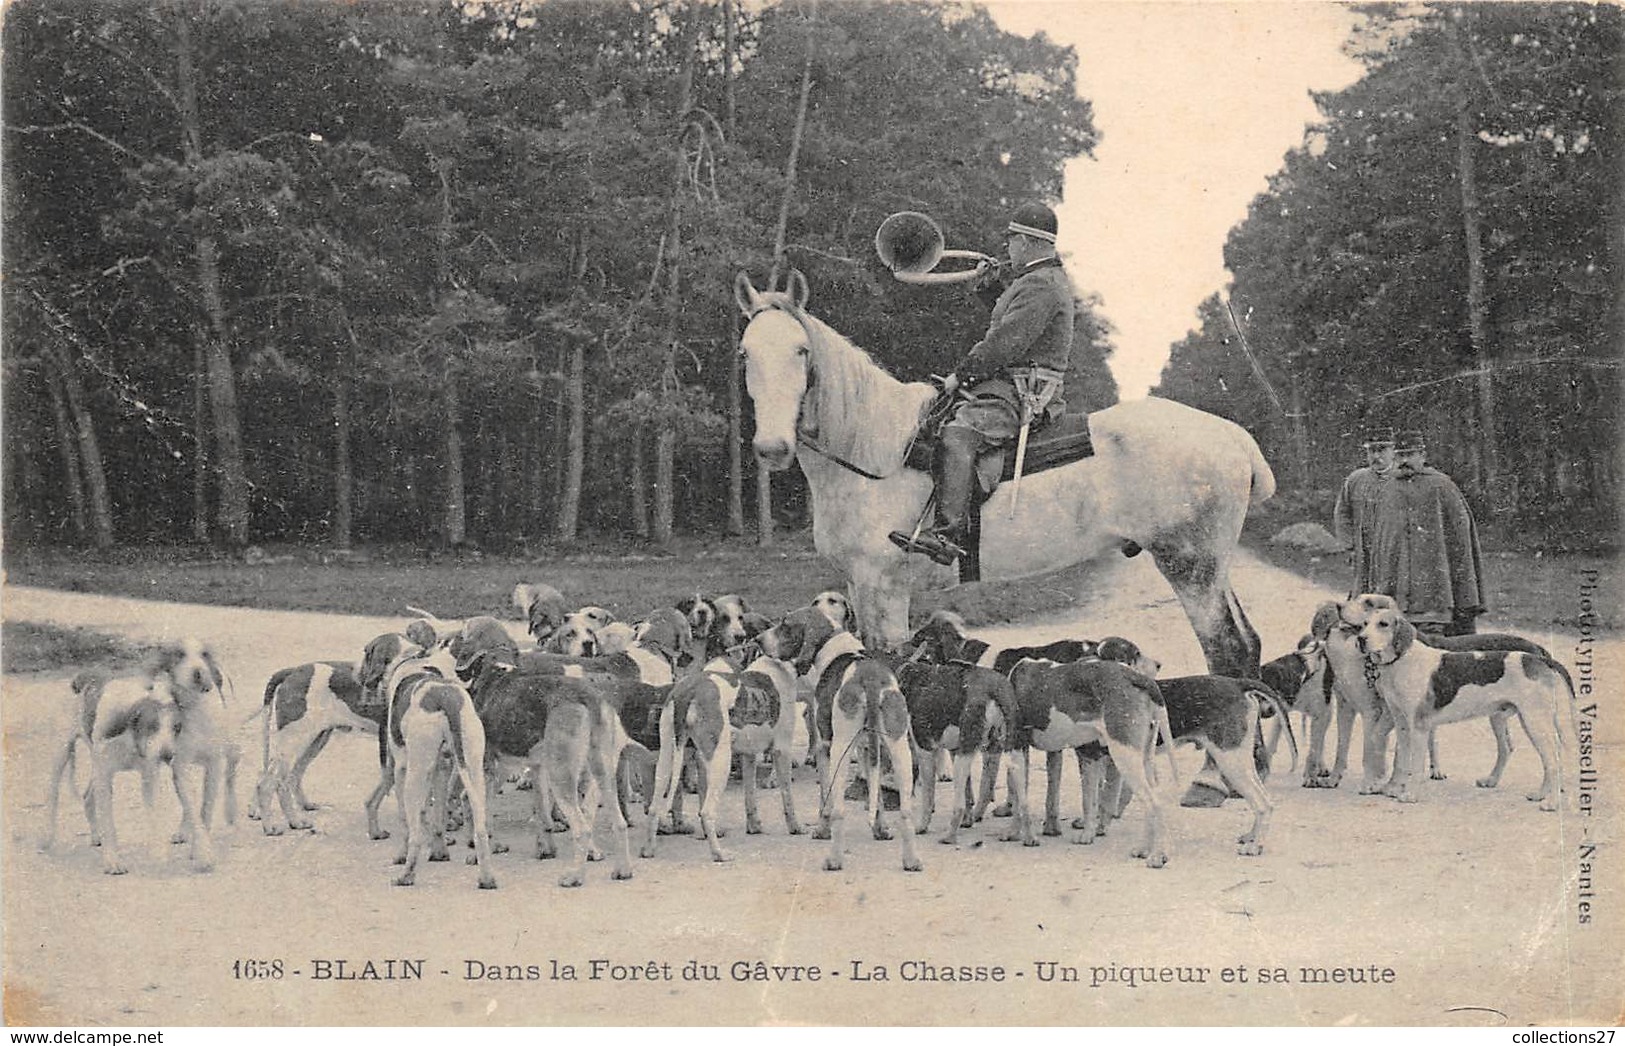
[
  {"x": 1300, "y": 436},
  {"x": 228, "y": 443},
  {"x": 200, "y": 446},
  {"x": 343, "y": 479},
  {"x": 575, "y": 441},
  {"x": 665, "y": 435},
  {"x": 736, "y": 405},
  {"x": 1478, "y": 327},
  {"x": 665, "y": 459},
  {"x": 764, "y": 479},
  {"x": 70, "y": 454},
  {"x": 536, "y": 483},
  {"x": 640, "y": 500},
  {"x": 456, "y": 511},
  {"x": 90, "y": 452}
]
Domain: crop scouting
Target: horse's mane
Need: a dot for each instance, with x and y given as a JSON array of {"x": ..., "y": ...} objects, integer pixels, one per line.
[{"x": 861, "y": 412}]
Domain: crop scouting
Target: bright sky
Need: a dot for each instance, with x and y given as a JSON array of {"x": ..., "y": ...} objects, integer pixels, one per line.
[{"x": 1197, "y": 103}]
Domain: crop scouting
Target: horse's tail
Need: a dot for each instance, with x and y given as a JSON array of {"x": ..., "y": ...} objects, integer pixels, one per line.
[{"x": 1263, "y": 487}]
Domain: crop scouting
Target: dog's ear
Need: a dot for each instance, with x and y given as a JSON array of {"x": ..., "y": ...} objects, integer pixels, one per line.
[
  {"x": 215, "y": 671},
  {"x": 1404, "y": 636},
  {"x": 756, "y": 624},
  {"x": 850, "y": 619},
  {"x": 1327, "y": 615},
  {"x": 168, "y": 656}
]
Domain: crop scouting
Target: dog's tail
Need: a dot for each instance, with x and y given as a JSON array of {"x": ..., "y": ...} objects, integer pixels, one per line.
[
  {"x": 1159, "y": 713},
  {"x": 1267, "y": 695},
  {"x": 451, "y": 701}
]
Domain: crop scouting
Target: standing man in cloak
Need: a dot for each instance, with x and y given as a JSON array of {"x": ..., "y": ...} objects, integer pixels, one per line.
[
  {"x": 1425, "y": 545},
  {"x": 1354, "y": 520}
]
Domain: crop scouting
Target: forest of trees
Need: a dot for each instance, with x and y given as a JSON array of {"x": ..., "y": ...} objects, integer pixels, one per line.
[
  {"x": 457, "y": 272},
  {"x": 1444, "y": 252},
  {"x": 461, "y": 271}
]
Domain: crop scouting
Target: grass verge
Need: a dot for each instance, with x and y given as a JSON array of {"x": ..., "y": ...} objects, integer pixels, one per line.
[{"x": 29, "y": 647}]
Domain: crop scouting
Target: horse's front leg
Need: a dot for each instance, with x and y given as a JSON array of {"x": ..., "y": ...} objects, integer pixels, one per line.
[{"x": 880, "y": 600}]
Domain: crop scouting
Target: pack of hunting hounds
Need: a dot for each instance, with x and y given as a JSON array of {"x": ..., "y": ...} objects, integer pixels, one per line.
[{"x": 606, "y": 721}]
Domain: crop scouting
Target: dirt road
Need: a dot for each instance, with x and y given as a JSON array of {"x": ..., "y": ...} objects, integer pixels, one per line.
[{"x": 1465, "y": 908}]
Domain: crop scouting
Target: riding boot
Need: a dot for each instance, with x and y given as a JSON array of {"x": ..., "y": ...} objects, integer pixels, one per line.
[{"x": 956, "y": 471}]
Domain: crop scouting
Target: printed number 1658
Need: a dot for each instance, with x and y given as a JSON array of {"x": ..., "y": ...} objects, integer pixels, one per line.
[{"x": 257, "y": 969}]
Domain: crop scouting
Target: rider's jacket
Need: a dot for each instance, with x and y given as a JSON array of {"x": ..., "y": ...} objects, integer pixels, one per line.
[{"x": 1031, "y": 326}]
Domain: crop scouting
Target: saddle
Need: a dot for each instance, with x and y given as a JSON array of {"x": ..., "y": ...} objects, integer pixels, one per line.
[{"x": 1052, "y": 441}]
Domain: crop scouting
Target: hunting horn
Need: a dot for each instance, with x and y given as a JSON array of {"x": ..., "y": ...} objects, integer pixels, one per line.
[{"x": 910, "y": 244}]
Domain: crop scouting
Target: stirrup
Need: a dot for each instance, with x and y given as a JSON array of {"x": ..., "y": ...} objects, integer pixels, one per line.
[{"x": 942, "y": 549}]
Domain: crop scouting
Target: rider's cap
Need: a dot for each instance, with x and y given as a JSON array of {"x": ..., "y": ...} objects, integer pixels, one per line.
[
  {"x": 1377, "y": 436},
  {"x": 1035, "y": 220}
]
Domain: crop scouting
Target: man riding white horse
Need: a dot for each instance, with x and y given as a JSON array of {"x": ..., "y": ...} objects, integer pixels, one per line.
[{"x": 1012, "y": 375}]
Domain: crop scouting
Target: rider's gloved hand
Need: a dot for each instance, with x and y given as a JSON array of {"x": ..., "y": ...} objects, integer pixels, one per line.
[{"x": 945, "y": 384}]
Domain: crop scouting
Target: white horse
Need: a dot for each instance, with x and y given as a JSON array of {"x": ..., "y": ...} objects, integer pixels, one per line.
[{"x": 1171, "y": 479}]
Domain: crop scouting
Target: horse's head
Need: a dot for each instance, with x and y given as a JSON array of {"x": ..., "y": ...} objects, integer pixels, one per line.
[{"x": 776, "y": 346}]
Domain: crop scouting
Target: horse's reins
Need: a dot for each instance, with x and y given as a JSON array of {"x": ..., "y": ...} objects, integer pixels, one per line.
[{"x": 805, "y": 439}]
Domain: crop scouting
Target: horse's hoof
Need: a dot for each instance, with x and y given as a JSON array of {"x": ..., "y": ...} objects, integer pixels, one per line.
[{"x": 1202, "y": 795}]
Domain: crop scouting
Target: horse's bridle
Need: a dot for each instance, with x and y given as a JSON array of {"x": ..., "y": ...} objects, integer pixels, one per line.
[{"x": 803, "y": 437}]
